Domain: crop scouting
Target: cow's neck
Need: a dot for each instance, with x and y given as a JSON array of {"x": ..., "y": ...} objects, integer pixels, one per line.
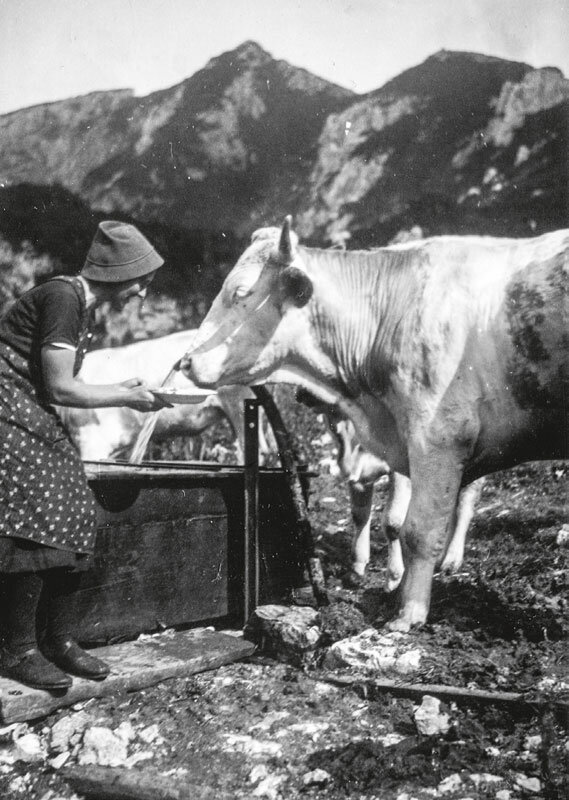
[{"x": 360, "y": 303}]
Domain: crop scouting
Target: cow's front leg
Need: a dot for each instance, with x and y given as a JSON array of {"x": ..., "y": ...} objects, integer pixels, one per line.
[
  {"x": 393, "y": 519},
  {"x": 361, "y": 496},
  {"x": 425, "y": 533}
]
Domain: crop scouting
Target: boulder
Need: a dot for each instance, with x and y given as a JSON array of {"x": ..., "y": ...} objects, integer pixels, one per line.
[
  {"x": 374, "y": 651},
  {"x": 288, "y": 633},
  {"x": 429, "y": 719}
]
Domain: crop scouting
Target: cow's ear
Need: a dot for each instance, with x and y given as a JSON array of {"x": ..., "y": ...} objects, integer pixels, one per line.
[
  {"x": 285, "y": 244},
  {"x": 295, "y": 286}
]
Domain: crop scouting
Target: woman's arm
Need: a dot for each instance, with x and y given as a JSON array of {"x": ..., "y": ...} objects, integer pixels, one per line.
[{"x": 64, "y": 389}]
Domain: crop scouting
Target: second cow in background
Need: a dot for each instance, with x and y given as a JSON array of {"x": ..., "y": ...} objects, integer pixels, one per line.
[{"x": 102, "y": 433}]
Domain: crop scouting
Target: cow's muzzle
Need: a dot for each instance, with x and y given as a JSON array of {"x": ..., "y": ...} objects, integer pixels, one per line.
[{"x": 184, "y": 365}]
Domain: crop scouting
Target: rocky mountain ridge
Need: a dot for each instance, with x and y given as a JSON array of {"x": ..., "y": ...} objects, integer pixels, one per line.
[
  {"x": 460, "y": 143},
  {"x": 213, "y": 151}
]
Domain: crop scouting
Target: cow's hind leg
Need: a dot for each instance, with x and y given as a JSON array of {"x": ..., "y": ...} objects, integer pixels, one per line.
[
  {"x": 361, "y": 496},
  {"x": 393, "y": 519},
  {"x": 425, "y": 533},
  {"x": 467, "y": 500}
]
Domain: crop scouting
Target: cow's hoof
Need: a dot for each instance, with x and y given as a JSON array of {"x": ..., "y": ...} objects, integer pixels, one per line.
[
  {"x": 398, "y": 625},
  {"x": 352, "y": 580},
  {"x": 407, "y": 619},
  {"x": 451, "y": 566},
  {"x": 392, "y": 583}
]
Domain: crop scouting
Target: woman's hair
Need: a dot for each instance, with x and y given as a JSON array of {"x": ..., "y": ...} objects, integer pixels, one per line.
[
  {"x": 118, "y": 285},
  {"x": 108, "y": 285}
]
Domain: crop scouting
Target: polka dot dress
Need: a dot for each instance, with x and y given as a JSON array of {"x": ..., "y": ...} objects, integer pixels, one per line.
[{"x": 44, "y": 494}]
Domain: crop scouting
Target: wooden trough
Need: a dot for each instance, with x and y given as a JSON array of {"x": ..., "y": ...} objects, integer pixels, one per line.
[
  {"x": 183, "y": 543},
  {"x": 179, "y": 545},
  {"x": 171, "y": 548}
]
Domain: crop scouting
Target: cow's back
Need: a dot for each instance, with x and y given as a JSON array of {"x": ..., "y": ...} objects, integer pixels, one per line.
[{"x": 151, "y": 358}]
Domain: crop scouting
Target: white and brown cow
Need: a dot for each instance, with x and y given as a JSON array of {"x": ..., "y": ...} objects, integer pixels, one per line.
[
  {"x": 450, "y": 356},
  {"x": 101, "y": 433}
]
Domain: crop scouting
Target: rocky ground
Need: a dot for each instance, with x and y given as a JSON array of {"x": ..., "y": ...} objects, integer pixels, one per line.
[{"x": 314, "y": 727}]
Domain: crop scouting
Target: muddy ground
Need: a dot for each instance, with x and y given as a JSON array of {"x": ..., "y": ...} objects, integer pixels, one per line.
[{"x": 264, "y": 728}]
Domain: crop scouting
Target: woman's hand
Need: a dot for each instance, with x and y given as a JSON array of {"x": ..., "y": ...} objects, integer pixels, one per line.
[{"x": 139, "y": 397}]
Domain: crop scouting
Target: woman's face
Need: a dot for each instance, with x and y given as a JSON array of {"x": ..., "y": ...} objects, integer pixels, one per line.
[{"x": 121, "y": 294}]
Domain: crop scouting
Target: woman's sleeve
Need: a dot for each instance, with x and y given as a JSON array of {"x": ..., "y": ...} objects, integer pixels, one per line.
[{"x": 61, "y": 317}]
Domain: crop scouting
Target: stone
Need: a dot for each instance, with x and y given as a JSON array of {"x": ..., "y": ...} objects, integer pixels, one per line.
[
  {"x": 258, "y": 773},
  {"x": 150, "y": 734},
  {"x": 103, "y": 747},
  {"x": 29, "y": 748},
  {"x": 562, "y": 539},
  {"x": 312, "y": 729},
  {"x": 135, "y": 758},
  {"x": 389, "y": 739},
  {"x": 408, "y": 662},
  {"x": 242, "y": 743},
  {"x": 317, "y": 777},
  {"x": 374, "y": 651},
  {"x": 481, "y": 778},
  {"x": 288, "y": 632},
  {"x": 533, "y": 743},
  {"x": 67, "y": 731},
  {"x": 269, "y": 719},
  {"x": 269, "y": 787},
  {"x": 59, "y": 760},
  {"x": 7, "y": 758},
  {"x": 429, "y": 719},
  {"x": 531, "y": 785},
  {"x": 125, "y": 731},
  {"x": 450, "y": 784}
]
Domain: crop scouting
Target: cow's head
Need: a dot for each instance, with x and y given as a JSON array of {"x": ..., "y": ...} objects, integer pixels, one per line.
[{"x": 243, "y": 338}]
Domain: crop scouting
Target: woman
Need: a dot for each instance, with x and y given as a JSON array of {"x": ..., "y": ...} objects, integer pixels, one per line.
[{"x": 47, "y": 511}]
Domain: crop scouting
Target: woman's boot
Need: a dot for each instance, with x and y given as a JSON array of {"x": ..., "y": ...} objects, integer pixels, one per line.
[
  {"x": 21, "y": 659},
  {"x": 57, "y": 643}
]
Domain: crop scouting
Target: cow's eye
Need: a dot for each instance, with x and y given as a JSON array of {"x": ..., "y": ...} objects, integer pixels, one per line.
[{"x": 241, "y": 293}]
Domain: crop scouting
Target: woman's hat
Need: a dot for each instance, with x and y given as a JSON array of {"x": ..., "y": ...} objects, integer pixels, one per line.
[{"x": 119, "y": 252}]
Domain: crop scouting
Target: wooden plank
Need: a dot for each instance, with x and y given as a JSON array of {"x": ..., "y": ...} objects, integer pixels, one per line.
[
  {"x": 297, "y": 494},
  {"x": 134, "y": 665},
  {"x": 117, "y": 470},
  {"x": 370, "y": 687},
  {"x": 120, "y": 783},
  {"x": 251, "y": 581},
  {"x": 158, "y": 471}
]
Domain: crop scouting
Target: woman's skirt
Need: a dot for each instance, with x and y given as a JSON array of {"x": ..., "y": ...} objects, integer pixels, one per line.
[
  {"x": 23, "y": 555},
  {"x": 45, "y": 499}
]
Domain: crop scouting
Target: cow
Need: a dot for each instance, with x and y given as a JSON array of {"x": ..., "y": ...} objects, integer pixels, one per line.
[
  {"x": 362, "y": 470},
  {"x": 449, "y": 355},
  {"x": 103, "y": 433}
]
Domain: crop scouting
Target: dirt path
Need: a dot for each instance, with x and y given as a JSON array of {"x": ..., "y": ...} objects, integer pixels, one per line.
[{"x": 269, "y": 729}]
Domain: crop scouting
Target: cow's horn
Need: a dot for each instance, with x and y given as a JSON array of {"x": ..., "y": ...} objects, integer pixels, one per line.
[{"x": 285, "y": 244}]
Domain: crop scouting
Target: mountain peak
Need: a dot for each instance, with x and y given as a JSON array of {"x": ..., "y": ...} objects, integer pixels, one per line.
[
  {"x": 251, "y": 49},
  {"x": 456, "y": 73},
  {"x": 248, "y": 55},
  {"x": 467, "y": 55}
]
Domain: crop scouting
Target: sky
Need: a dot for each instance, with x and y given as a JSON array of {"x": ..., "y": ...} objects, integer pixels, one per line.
[{"x": 55, "y": 49}]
